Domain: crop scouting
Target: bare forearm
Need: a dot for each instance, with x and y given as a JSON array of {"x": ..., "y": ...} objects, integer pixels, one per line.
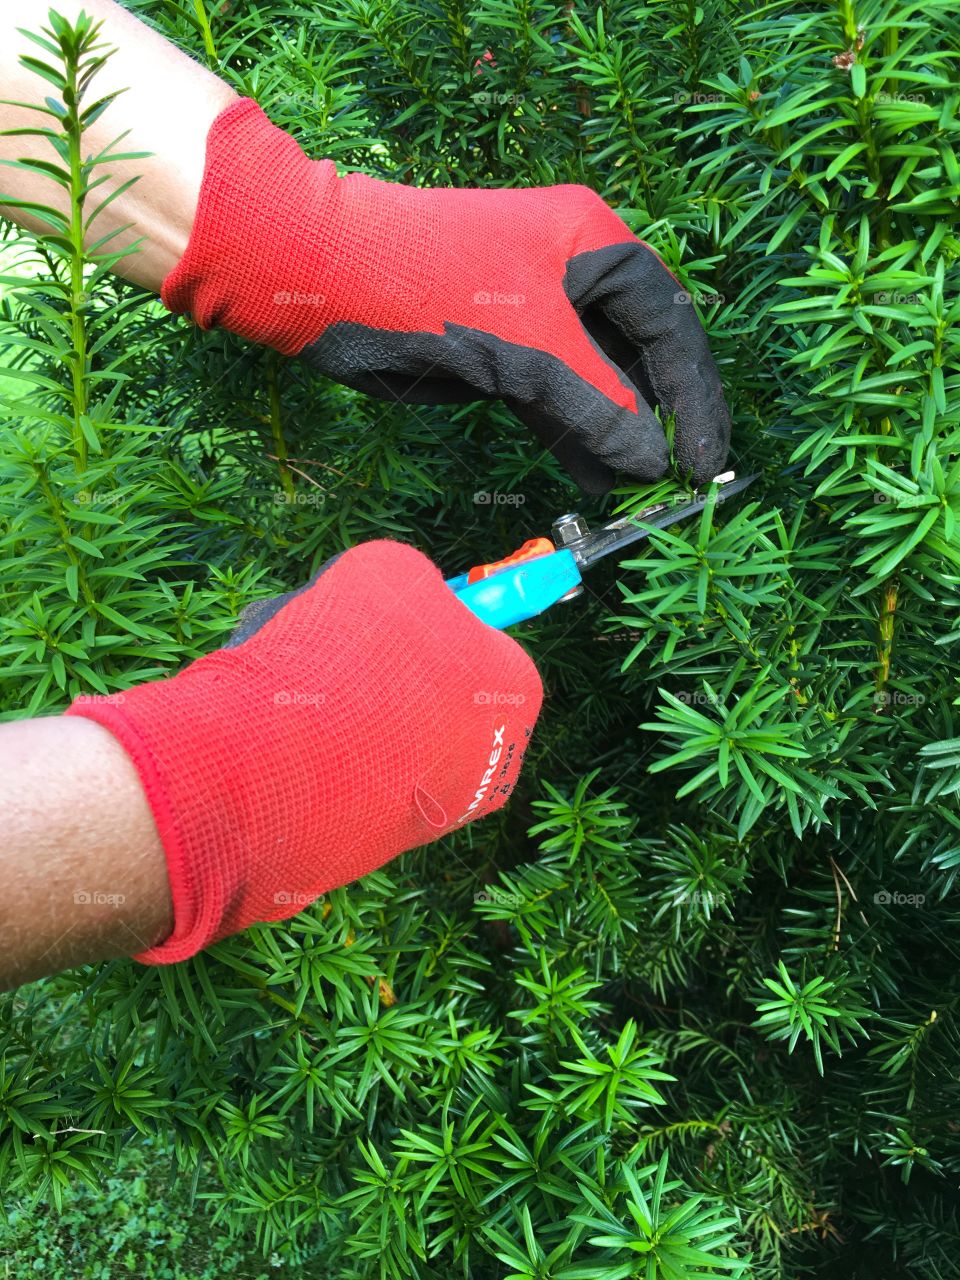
[
  {"x": 83, "y": 871},
  {"x": 167, "y": 108},
  {"x": 82, "y": 868}
]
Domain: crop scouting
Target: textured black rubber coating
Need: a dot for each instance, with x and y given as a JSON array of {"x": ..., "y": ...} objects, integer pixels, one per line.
[
  {"x": 637, "y": 317},
  {"x": 257, "y": 614}
]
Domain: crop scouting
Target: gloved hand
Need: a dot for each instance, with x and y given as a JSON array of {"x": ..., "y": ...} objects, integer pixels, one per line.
[
  {"x": 542, "y": 298},
  {"x": 367, "y": 713}
]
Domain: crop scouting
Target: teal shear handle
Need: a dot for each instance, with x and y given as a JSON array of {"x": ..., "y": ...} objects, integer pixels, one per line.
[{"x": 522, "y": 591}]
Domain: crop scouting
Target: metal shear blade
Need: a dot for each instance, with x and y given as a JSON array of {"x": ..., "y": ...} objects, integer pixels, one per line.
[
  {"x": 544, "y": 571},
  {"x": 587, "y": 548}
]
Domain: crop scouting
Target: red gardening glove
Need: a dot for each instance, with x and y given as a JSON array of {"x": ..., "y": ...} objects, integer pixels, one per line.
[
  {"x": 542, "y": 298},
  {"x": 367, "y": 713}
]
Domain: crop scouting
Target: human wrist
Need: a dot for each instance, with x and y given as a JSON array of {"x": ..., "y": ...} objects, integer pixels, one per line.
[{"x": 82, "y": 863}]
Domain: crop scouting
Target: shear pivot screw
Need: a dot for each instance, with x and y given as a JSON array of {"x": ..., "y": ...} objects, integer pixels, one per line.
[
  {"x": 569, "y": 528},
  {"x": 566, "y": 530}
]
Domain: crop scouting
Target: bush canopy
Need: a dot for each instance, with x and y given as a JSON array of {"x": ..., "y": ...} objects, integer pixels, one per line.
[{"x": 689, "y": 1005}]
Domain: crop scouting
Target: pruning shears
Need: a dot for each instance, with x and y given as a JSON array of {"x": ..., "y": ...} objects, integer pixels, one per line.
[{"x": 544, "y": 571}]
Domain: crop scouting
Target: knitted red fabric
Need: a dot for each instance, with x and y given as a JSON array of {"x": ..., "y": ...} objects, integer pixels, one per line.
[
  {"x": 372, "y": 714},
  {"x": 281, "y": 248}
]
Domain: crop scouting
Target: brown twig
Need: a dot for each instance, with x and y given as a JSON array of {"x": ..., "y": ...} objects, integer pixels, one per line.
[
  {"x": 313, "y": 462},
  {"x": 836, "y": 885}
]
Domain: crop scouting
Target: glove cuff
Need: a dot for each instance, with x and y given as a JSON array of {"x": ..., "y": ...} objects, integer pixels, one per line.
[
  {"x": 196, "y": 915},
  {"x": 257, "y": 255}
]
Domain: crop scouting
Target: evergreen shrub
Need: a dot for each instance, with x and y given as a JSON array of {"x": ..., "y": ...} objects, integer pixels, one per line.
[{"x": 689, "y": 1005}]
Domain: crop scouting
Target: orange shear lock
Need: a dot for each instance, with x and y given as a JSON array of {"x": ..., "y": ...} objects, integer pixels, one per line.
[{"x": 530, "y": 550}]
